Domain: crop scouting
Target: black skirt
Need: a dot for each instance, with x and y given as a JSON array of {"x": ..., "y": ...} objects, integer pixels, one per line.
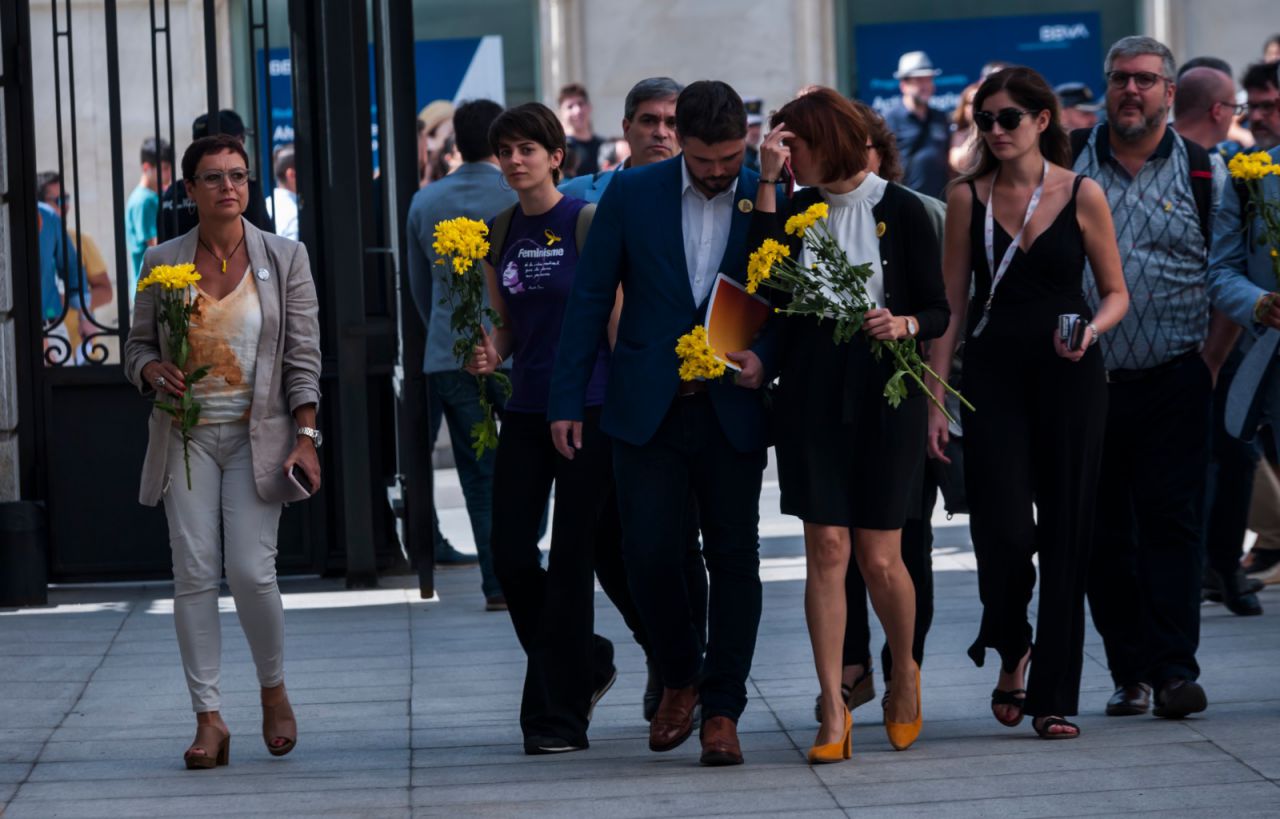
[{"x": 845, "y": 457}]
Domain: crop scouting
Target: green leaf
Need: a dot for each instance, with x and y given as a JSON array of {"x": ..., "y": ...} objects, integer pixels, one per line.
[{"x": 200, "y": 372}]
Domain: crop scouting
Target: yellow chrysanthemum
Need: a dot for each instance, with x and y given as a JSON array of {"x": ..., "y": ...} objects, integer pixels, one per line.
[
  {"x": 762, "y": 261},
  {"x": 697, "y": 359},
  {"x": 170, "y": 277},
  {"x": 463, "y": 241},
  {"x": 1253, "y": 166},
  {"x": 798, "y": 224}
]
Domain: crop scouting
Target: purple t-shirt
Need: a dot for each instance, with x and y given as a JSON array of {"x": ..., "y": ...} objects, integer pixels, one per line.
[{"x": 535, "y": 275}]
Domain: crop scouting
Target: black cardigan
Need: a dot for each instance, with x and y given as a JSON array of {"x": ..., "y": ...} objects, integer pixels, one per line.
[{"x": 910, "y": 254}]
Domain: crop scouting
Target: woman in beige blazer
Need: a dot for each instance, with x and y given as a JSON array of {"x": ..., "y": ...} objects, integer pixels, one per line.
[{"x": 256, "y": 324}]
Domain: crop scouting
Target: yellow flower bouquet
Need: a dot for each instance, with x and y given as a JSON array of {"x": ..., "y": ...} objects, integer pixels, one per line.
[
  {"x": 1252, "y": 169},
  {"x": 461, "y": 243},
  {"x": 174, "y": 306},
  {"x": 832, "y": 287},
  {"x": 697, "y": 358}
]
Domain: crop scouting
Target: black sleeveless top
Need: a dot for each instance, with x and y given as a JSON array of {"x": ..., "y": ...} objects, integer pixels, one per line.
[{"x": 1040, "y": 284}]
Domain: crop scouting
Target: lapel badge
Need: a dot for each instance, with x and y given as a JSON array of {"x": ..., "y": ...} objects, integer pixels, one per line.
[
  {"x": 880, "y": 229},
  {"x": 745, "y": 206},
  {"x": 263, "y": 275}
]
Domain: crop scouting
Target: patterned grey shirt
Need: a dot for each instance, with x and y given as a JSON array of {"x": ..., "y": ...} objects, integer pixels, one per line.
[{"x": 1162, "y": 251}]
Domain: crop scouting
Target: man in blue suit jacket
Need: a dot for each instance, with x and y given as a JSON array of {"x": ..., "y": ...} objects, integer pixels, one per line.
[{"x": 663, "y": 232}]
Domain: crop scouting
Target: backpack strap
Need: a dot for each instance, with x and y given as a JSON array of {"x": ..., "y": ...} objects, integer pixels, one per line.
[
  {"x": 498, "y": 235},
  {"x": 1201, "y": 187},
  {"x": 583, "y": 227},
  {"x": 1079, "y": 139}
]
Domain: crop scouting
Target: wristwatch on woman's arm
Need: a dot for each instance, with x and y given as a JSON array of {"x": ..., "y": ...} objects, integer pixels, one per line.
[{"x": 313, "y": 434}]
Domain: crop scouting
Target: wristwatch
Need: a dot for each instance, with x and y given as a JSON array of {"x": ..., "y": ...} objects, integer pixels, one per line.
[
  {"x": 911, "y": 326},
  {"x": 313, "y": 434}
]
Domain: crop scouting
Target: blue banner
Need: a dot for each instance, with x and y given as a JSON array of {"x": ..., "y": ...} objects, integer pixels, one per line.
[{"x": 1063, "y": 47}]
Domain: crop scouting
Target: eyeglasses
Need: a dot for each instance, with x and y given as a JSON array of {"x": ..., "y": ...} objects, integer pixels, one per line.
[
  {"x": 1236, "y": 109},
  {"x": 1008, "y": 118},
  {"x": 1266, "y": 109},
  {"x": 1143, "y": 79},
  {"x": 213, "y": 179}
]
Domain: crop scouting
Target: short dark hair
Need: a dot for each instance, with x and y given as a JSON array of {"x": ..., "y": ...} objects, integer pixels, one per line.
[
  {"x": 532, "y": 121},
  {"x": 882, "y": 139},
  {"x": 1215, "y": 63},
  {"x": 711, "y": 111},
  {"x": 1261, "y": 76},
  {"x": 834, "y": 129},
  {"x": 471, "y": 123},
  {"x": 154, "y": 152},
  {"x": 654, "y": 88},
  {"x": 573, "y": 89},
  {"x": 282, "y": 161},
  {"x": 43, "y": 180},
  {"x": 229, "y": 122},
  {"x": 204, "y": 146}
]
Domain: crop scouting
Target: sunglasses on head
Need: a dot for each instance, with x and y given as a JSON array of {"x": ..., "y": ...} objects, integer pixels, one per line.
[{"x": 1008, "y": 118}]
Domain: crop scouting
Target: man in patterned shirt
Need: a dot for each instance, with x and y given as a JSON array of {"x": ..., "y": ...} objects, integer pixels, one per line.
[{"x": 1145, "y": 578}]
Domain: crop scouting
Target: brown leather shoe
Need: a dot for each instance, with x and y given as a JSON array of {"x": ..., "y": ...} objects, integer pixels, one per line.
[
  {"x": 673, "y": 723},
  {"x": 720, "y": 742}
]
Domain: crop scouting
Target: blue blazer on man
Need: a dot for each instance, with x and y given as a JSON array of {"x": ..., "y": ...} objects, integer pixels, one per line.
[
  {"x": 1239, "y": 274},
  {"x": 636, "y": 240}
]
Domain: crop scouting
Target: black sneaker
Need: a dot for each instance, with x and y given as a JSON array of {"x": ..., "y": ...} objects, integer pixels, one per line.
[
  {"x": 541, "y": 746},
  {"x": 1178, "y": 697},
  {"x": 1263, "y": 564},
  {"x": 606, "y": 673}
]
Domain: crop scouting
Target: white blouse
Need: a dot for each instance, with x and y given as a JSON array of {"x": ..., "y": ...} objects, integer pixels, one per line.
[
  {"x": 854, "y": 228},
  {"x": 224, "y": 335}
]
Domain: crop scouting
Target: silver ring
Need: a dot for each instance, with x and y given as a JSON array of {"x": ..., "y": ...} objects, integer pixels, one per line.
[{"x": 160, "y": 382}]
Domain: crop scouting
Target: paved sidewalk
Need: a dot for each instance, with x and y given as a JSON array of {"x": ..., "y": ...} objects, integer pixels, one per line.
[{"x": 409, "y": 708}]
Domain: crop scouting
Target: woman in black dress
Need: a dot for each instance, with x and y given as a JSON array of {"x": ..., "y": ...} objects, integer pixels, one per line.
[
  {"x": 1036, "y": 435},
  {"x": 848, "y": 463}
]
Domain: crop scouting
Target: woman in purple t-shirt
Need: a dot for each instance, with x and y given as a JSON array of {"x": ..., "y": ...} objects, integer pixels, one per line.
[{"x": 552, "y": 610}]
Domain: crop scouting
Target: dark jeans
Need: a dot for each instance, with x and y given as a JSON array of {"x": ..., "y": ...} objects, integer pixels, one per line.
[
  {"x": 1230, "y": 483},
  {"x": 917, "y": 554},
  {"x": 690, "y": 451},
  {"x": 455, "y": 395},
  {"x": 1145, "y": 577},
  {"x": 553, "y": 609}
]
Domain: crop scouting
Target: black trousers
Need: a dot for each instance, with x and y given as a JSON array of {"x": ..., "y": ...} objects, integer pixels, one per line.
[
  {"x": 1035, "y": 439},
  {"x": 917, "y": 554},
  {"x": 690, "y": 452},
  {"x": 1230, "y": 482},
  {"x": 553, "y": 609},
  {"x": 1145, "y": 578}
]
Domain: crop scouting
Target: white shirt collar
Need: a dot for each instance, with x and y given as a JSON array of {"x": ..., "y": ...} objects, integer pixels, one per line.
[{"x": 688, "y": 184}]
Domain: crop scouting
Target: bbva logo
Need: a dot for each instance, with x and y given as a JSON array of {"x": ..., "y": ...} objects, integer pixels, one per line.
[{"x": 1059, "y": 33}]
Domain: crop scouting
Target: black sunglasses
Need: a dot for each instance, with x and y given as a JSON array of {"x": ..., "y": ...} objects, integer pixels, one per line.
[{"x": 1008, "y": 118}]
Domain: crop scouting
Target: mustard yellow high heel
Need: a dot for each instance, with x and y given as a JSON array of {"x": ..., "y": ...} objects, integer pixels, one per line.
[
  {"x": 903, "y": 734},
  {"x": 835, "y": 751}
]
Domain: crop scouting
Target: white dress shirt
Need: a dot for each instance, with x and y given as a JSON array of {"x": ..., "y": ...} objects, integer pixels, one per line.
[
  {"x": 853, "y": 226},
  {"x": 282, "y": 206},
  {"x": 705, "y": 223}
]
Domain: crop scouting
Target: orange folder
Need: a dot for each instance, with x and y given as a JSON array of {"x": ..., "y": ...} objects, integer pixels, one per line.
[{"x": 734, "y": 317}]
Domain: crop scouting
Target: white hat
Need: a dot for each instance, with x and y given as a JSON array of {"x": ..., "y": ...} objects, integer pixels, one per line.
[{"x": 915, "y": 64}]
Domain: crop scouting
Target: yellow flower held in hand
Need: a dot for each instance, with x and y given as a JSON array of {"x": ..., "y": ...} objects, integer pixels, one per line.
[
  {"x": 170, "y": 277},
  {"x": 1253, "y": 166},
  {"x": 762, "y": 261},
  {"x": 798, "y": 224},
  {"x": 463, "y": 240},
  {"x": 697, "y": 359}
]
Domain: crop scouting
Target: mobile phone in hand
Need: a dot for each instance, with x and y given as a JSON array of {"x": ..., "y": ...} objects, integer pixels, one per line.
[
  {"x": 300, "y": 479},
  {"x": 789, "y": 176}
]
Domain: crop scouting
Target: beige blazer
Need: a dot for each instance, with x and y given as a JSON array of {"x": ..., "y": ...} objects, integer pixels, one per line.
[{"x": 288, "y": 366}]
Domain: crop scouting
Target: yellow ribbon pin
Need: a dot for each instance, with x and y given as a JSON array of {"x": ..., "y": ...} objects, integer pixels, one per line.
[
  {"x": 745, "y": 205},
  {"x": 551, "y": 237},
  {"x": 880, "y": 229}
]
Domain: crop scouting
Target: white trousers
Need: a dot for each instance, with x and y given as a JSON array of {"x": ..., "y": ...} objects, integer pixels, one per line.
[{"x": 221, "y": 519}]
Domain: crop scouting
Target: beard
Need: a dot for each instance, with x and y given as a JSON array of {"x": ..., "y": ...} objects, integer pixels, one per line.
[
  {"x": 1135, "y": 131},
  {"x": 1264, "y": 137}
]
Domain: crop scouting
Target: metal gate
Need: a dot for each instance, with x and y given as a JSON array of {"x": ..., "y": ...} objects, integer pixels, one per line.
[{"x": 82, "y": 431}]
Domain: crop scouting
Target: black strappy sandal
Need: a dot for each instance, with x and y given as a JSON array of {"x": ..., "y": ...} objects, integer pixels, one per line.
[
  {"x": 1017, "y": 698},
  {"x": 1043, "y": 724},
  {"x": 861, "y": 692}
]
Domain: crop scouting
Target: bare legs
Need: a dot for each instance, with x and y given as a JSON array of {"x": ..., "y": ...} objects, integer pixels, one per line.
[{"x": 879, "y": 556}]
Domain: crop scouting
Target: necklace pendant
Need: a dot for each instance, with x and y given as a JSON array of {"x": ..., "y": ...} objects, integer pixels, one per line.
[{"x": 224, "y": 265}]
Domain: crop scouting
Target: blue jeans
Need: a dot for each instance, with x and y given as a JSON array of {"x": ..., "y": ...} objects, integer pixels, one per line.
[{"x": 456, "y": 395}]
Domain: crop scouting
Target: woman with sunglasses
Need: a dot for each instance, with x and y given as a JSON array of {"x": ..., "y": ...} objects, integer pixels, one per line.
[
  {"x": 848, "y": 463},
  {"x": 256, "y": 325},
  {"x": 1027, "y": 226}
]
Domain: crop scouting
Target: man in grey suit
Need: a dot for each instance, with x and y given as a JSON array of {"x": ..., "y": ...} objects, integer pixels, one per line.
[{"x": 475, "y": 190}]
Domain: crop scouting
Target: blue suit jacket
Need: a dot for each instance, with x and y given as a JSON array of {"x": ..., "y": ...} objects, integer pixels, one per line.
[
  {"x": 1239, "y": 274},
  {"x": 637, "y": 240}
]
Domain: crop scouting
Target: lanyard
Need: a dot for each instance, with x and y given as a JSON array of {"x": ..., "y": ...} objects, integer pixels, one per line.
[{"x": 989, "y": 231}]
